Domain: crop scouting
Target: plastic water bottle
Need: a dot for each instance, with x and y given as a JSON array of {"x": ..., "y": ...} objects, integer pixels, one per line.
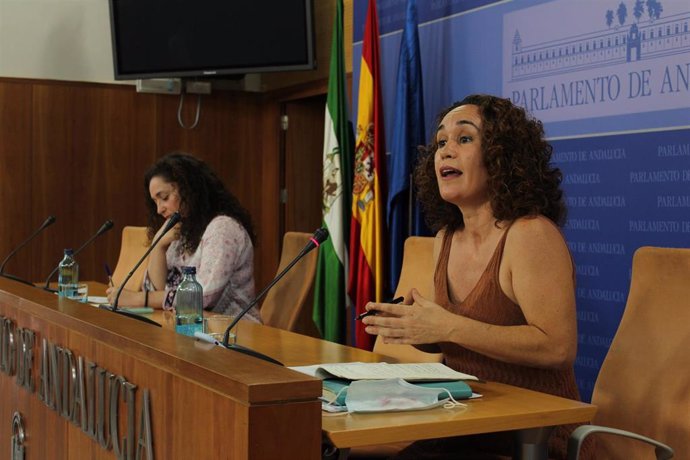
[
  {"x": 68, "y": 275},
  {"x": 189, "y": 304}
]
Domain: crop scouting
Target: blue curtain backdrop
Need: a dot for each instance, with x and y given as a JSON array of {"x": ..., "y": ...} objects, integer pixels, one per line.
[{"x": 615, "y": 101}]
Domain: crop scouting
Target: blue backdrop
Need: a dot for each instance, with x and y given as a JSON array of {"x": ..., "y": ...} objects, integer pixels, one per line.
[{"x": 612, "y": 87}]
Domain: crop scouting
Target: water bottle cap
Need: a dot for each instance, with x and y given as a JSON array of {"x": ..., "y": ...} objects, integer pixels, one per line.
[
  {"x": 189, "y": 270},
  {"x": 69, "y": 252}
]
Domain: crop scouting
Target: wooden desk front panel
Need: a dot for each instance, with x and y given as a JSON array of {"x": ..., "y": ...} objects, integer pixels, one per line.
[{"x": 198, "y": 410}]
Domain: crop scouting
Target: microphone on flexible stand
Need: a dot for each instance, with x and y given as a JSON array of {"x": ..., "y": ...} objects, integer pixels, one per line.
[
  {"x": 315, "y": 241},
  {"x": 49, "y": 221},
  {"x": 107, "y": 225},
  {"x": 174, "y": 219}
]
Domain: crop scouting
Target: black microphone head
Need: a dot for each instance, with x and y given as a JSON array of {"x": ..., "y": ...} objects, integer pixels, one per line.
[
  {"x": 107, "y": 225},
  {"x": 316, "y": 239},
  {"x": 49, "y": 221},
  {"x": 175, "y": 218},
  {"x": 321, "y": 235}
]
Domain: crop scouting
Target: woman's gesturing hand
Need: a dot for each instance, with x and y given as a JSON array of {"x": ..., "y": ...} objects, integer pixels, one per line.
[{"x": 417, "y": 321}]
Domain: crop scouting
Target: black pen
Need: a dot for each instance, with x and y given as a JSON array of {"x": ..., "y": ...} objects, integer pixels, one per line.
[
  {"x": 109, "y": 274},
  {"x": 373, "y": 312}
]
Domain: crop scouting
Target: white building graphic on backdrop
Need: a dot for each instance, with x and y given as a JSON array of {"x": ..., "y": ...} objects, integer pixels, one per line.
[{"x": 559, "y": 71}]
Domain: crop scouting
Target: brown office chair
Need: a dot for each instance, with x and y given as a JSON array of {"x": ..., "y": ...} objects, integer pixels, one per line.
[
  {"x": 134, "y": 244},
  {"x": 417, "y": 272},
  {"x": 642, "y": 391},
  {"x": 288, "y": 305}
]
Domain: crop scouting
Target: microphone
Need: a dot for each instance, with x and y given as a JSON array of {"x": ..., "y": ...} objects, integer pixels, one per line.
[
  {"x": 174, "y": 219},
  {"x": 104, "y": 228},
  {"x": 315, "y": 241},
  {"x": 49, "y": 221}
]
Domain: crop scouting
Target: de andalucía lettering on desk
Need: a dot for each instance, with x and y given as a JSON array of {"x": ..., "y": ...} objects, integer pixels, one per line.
[{"x": 80, "y": 391}]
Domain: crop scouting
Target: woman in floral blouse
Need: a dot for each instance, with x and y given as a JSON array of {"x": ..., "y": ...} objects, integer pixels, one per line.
[{"x": 215, "y": 235}]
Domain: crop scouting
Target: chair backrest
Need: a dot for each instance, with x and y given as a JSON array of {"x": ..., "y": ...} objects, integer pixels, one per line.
[
  {"x": 134, "y": 244},
  {"x": 417, "y": 272},
  {"x": 643, "y": 385},
  {"x": 289, "y": 304}
]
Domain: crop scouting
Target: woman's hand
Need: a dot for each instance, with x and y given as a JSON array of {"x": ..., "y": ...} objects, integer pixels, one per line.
[
  {"x": 158, "y": 266},
  {"x": 127, "y": 298},
  {"x": 418, "y": 321},
  {"x": 169, "y": 237}
]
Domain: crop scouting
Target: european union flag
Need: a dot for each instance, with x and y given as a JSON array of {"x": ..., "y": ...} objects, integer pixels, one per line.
[{"x": 403, "y": 214}]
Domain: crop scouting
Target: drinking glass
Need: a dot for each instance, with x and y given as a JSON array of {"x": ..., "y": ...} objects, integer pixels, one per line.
[
  {"x": 216, "y": 325},
  {"x": 81, "y": 293}
]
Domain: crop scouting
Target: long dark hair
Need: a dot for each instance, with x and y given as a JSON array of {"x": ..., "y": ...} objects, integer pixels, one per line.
[
  {"x": 202, "y": 196},
  {"x": 521, "y": 181}
]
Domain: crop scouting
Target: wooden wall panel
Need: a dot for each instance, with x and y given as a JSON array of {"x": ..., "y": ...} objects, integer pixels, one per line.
[
  {"x": 91, "y": 144},
  {"x": 267, "y": 199},
  {"x": 16, "y": 219},
  {"x": 53, "y": 173},
  {"x": 304, "y": 164}
]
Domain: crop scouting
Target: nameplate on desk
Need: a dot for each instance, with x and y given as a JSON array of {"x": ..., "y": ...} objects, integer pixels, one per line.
[{"x": 79, "y": 390}]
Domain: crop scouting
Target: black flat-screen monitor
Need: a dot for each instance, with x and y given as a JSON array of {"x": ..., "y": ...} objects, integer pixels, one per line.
[{"x": 208, "y": 38}]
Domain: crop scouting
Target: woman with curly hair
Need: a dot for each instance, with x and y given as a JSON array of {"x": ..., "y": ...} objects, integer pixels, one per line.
[
  {"x": 215, "y": 235},
  {"x": 504, "y": 305}
]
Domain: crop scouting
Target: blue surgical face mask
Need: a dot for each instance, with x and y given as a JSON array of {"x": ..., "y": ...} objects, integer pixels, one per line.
[{"x": 392, "y": 395}]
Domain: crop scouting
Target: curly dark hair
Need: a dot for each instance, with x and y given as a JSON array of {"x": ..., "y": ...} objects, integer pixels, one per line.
[
  {"x": 202, "y": 196},
  {"x": 521, "y": 182}
]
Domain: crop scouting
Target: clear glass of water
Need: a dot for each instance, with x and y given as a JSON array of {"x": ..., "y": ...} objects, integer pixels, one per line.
[
  {"x": 216, "y": 325},
  {"x": 81, "y": 293}
]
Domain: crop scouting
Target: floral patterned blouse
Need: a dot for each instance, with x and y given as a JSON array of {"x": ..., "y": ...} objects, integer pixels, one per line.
[{"x": 224, "y": 262}]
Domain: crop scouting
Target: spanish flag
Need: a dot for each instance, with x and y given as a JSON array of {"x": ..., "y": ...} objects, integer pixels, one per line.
[{"x": 366, "y": 248}]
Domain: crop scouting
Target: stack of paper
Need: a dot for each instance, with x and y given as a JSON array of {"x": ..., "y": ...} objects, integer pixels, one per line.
[
  {"x": 338, "y": 376},
  {"x": 412, "y": 372}
]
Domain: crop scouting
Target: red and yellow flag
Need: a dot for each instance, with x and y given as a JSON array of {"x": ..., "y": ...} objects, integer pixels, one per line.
[{"x": 366, "y": 256}]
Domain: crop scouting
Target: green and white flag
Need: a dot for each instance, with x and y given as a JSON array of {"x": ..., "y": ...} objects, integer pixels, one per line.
[{"x": 330, "y": 292}]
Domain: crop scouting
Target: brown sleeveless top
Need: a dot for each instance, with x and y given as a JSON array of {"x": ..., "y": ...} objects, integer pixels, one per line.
[{"x": 487, "y": 303}]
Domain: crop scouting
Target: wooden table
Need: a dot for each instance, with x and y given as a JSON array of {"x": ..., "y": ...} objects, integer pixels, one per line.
[{"x": 502, "y": 408}]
